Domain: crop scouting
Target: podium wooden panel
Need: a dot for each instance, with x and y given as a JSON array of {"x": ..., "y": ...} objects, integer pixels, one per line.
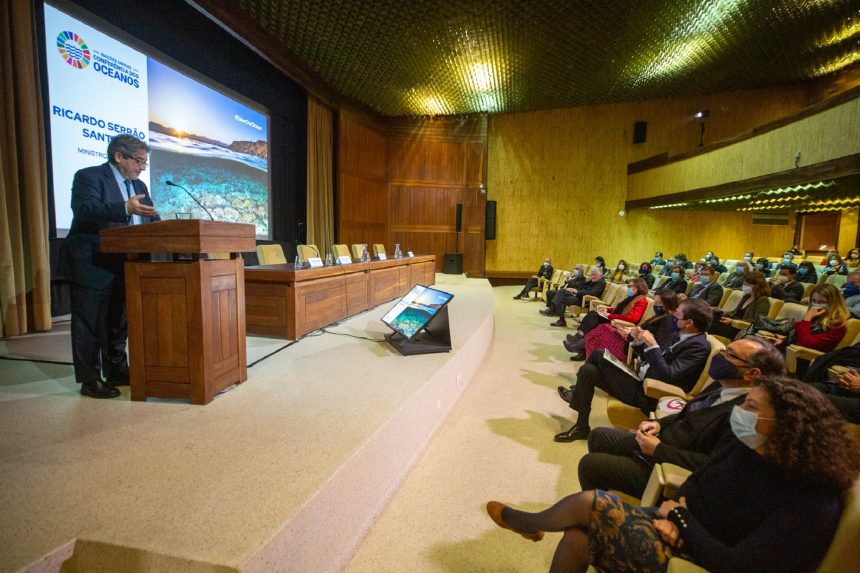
[
  {"x": 288, "y": 302},
  {"x": 186, "y": 318}
]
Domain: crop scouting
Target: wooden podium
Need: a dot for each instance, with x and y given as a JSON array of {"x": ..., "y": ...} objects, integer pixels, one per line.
[{"x": 186, "y": 317}]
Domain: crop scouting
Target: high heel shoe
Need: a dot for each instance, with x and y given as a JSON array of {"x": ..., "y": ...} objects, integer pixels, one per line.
[{"x": 494, "y": 509}]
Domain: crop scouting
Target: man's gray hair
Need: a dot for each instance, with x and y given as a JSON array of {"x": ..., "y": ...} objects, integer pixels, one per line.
[{"x": 125, "y": 144}]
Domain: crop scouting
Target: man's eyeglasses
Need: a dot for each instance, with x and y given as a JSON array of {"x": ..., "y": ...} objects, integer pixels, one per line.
[
  {"x": 140, "y": 162},
  {"x": 728, "y": 353}
]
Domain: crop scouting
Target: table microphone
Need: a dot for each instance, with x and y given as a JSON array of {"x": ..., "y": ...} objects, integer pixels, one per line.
[{"x": 172, "y": 184}]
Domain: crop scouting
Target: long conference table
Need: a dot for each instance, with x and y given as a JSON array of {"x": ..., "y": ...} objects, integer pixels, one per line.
[{"x": 283, "y": 301}]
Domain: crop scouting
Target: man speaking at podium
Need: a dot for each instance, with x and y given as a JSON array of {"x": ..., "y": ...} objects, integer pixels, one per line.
[{"x": 104, "y": 196}]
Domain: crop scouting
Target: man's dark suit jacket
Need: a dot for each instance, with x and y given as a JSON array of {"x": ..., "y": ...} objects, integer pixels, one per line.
[
  {"x": 681, "y": 365},
  {"x": 678, "y": 285},
  {"x": 97, "y": 203},
  {"x": 712, "y": 294},
  {"x": 791, "y": 292},
  {"x": 592, "y": 288},
  {"x": 689, "y": 438},
  {"x": 545, "y": 272}
]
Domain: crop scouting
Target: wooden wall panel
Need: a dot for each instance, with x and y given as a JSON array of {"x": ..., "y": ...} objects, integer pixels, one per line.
[
  {"x": 828, "y": 135},
  {"x": 848, "y": 230},
  {"x": 560, "y": 178}
]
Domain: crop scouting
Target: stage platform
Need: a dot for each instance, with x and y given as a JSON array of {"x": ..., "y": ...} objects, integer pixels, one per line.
[{"x": 286, "y": 472}]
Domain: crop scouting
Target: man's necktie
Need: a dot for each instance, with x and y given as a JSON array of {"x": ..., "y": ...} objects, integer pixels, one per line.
[
  {"x": 129, "y": 192},
  {"x": 705, "y": 401}
]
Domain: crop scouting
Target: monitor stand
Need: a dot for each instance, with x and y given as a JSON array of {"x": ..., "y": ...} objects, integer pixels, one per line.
[{"x": 434, "y": 337}]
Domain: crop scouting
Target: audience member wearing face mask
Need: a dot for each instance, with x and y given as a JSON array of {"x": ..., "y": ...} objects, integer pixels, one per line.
[
  {"x": 823, "y": 326},
  {"x": 645, "y": 274},
  {"x": 753, "y": 304},
  {"x": 806, "y": 273},
  {"x": 615, "y": 339},
  {"x": 852, "y": 261},
  {"x": 769, "y": 501},
  {"x": 658, "y": 259},
  {"x": 784, "y": 285},
  {"x": 630, "y": 309},
  {"x": 574, "y": 282},
  {"x": 762, "y": 265},
  {"x": 677, "y": 280},
  {"x": 736, "y": 278},
  {"x": 851, "y": 294},
  {"x": 619, "y": 275},
  {"x": 544, "y": 272},
  {"x": 835, "y": 266}
]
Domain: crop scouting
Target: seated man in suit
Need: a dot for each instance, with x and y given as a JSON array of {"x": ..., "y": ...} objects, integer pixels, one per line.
[
  {"x": 575, "y": 280},
  {"x": 544, "y": 272},
  {"x": 680, "y": 364},
  {"x": 594, "y": 287},
  {"x": 622, "y": 460},
  {"x": 785, "y": 286},
  {"x": 707, "y": 289},
  {"x": 104, "y": 196}
]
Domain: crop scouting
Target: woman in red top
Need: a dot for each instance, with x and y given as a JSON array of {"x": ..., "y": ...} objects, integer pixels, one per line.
[
  {"x": 823, "y": 327},
  {"x": 630, "y": 309}
]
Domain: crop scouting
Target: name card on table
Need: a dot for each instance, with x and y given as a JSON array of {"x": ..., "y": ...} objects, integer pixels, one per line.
[
  {"x": 410, "y": 254},
  {"x": 344, "y": 260},
  {"x": 315, "y": 262},
  {"x": 382, "y": 256}
]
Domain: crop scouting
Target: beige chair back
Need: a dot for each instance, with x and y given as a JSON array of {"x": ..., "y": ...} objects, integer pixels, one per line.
[
  {"x": 657, "y": 270},
  {"x": 807, "y": 292},
  {"x": 852, "y": 330},
  {"x": 843, "y": 554},
  {"x": 775, "y": 306},
  {"x": 704, "y": 378},
  {"x": 378, "y": 249},
  {"x": 732, "y": 301},
  {"x": 221, "y": 255},
  {"x": 271, "y": 255},
  {"x": 357, "y": 249},
  {"x": 614, "y": 294},
  {"x": 306, "y": 252},
  {"x": 649, "y": 311},
  {"x": 660, "y": 282},
  {"x": 792, "y": 310},
  {"x": 340, "y": 251},
  {"x": 837, "y": 280}
]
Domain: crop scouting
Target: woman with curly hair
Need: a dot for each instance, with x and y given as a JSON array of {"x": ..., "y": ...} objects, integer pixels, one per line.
[
  {"x": 769, "y": 501},
  {"x": 622, "y": 269}
]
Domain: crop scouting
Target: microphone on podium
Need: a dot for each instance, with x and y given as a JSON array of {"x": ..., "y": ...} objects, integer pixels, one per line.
[{"x": 193, "y": 198}]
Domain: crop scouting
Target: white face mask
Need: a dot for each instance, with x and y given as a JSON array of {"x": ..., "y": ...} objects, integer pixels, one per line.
[
  {"x": 622, "y": 267},
  {"x": 747, "y": 289},
  {"x": 743, "y": 424}
]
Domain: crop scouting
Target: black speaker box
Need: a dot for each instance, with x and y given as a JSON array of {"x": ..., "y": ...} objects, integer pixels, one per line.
[
  {"x": 453, "y": 264},
  {"x": 458, "y": 222},
  {"x": 490, "y": 221},
  {"x": 640, "y": 131}
]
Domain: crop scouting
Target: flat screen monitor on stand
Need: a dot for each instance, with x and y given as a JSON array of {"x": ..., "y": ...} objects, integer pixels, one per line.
[{"x": 420, "y": 322}]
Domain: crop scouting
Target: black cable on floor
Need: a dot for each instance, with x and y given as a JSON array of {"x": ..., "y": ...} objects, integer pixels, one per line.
[{"x": 352, "y": 335}]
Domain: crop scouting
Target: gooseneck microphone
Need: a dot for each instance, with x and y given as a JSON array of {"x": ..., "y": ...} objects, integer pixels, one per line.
[{"x": 193, "y": 198}]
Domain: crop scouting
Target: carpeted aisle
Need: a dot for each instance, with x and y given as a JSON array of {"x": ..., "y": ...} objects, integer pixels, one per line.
[{"x": 496, "y": 444}]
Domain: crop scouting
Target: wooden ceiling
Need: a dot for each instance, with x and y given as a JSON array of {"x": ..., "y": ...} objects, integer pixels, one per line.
[{"x": 412, "y": 58}]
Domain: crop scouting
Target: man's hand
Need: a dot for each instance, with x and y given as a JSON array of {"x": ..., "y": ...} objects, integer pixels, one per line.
[
  {"x": 623, "y": 331},
  {"x": 650, "y": 427},
  {"x": 850, "y": 380},
  {"x": 135, "y": 207},
  {"x": 726, "y": 320},
  {"x": 669, "y": 533},
  {"x": 647, "y": 338},
  {"x": 681, "y": 296},
  {"x": 647, "y": 442}
]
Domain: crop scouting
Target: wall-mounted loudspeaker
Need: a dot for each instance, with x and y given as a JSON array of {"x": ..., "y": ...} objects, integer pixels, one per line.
[
  {"x": 490, "y": 221},
  {"x": 640, "y": 131},
  {"x": 458, "y": 223}
]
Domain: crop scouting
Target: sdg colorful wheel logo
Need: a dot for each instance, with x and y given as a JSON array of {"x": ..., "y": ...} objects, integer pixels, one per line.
[{"x": 73, "y": 50}]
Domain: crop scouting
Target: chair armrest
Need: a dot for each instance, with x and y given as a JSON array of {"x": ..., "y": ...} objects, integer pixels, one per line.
[
  {"x": 659, "y": 389},
  {"x": 653, "y": 494},
  {"x": 795, "y": 352},
  {"x": 622, "y": 323},
  {"x": 741, "y": 324},
  {"x": 835, "y": 371},
  {"x": 674, "y": 477},
  {"x": 595, "y": 304},
  {"x": 586, "y": 300}
]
